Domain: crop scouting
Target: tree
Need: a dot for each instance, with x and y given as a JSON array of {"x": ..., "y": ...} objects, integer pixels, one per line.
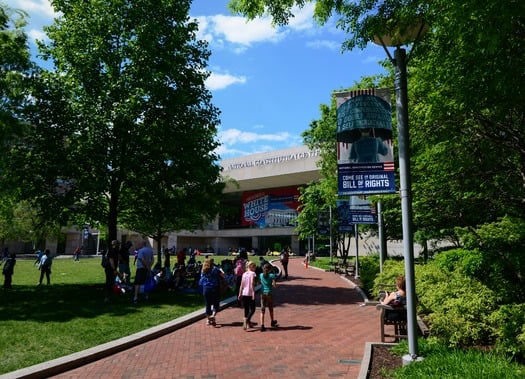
[
  {"x": 123, "y": 130},
  {"x": 466, "y": 83},
  {"x": 15, "y": 66}
]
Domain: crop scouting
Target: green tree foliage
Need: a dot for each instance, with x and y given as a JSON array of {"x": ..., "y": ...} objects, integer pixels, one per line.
[
  {"x": 466, "y": 83},
  {"x": 467, "y": 115},
  {"x": 123, "y": 130},
  {"x": 15, "y": 66}
]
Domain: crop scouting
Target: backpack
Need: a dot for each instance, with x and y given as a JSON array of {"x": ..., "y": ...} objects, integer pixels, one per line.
[{"x": 239, "y": 267}]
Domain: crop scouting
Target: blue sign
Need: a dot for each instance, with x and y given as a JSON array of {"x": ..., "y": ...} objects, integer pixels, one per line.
[
  {"x": 361, "y": 179},
  {"x": 355, "y": 211}
]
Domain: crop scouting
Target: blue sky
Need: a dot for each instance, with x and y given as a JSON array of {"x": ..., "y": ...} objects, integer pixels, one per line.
[{"x": 267, "y": 82}]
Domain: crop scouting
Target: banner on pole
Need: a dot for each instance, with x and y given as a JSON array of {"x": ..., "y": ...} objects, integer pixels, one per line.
[{"x": 365, "y": 157}]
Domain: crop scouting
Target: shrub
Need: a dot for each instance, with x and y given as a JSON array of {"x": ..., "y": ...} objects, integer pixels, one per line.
[
  {"x": 368, "y": 270},
  {"x": 460, "y": 308},
  {"x": 392, "y": 268},
  {"x": 509, "y": 325}
]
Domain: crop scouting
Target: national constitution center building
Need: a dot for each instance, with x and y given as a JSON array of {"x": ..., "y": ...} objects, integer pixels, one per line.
[
  {"x": 260, "y": 203},
  {"x": 258, "y": 210}
]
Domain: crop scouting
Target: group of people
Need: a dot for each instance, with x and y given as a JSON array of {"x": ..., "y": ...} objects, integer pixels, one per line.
[
  {"x": 117, "y": 266},
  {"x": 211, "y": 276}
]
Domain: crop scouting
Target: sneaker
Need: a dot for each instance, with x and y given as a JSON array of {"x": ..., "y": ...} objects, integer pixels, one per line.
[
  {"x": 274, "y": 323},
  {"x": 263, "y": 328},
  {"x": 212, "y": 320},
  {"x": 135, "y": 301}
]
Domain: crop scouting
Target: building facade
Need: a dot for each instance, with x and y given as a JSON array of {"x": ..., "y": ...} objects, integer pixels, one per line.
[
  {"x": 258, "y": 211},
  {"x": 260, "y": 204}
]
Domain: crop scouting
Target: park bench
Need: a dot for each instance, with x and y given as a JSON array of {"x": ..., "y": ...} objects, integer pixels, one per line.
[
  {"x": 392, "y": 317},
  {"x": 340, "y": 268},
  {"x": 350, "y": 269},
  {"x": 395, "y": 317}
]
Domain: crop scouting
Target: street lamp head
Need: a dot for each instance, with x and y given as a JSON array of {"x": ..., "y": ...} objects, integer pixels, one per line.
[{"x": 398, "y": 35}]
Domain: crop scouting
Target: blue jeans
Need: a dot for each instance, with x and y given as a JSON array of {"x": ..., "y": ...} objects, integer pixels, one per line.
[{"x": 211, "y": 299}]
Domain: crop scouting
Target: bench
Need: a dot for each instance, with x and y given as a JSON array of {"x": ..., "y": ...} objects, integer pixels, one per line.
[
  {"x": 350, "y": 269},
  {"x": 395, "y": 317}
]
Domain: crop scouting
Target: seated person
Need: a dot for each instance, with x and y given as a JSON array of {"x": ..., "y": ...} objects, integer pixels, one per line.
[{"x": 399, "y": 297}]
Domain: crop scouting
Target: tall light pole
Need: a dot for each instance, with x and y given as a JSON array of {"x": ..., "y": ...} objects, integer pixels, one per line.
[{"x": 405, "y": 189}]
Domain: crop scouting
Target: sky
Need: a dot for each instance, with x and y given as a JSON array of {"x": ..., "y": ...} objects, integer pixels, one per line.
[{"x": 268, "y": 82}]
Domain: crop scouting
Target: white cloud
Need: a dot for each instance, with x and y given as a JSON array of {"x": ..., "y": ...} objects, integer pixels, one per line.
[
  {"x": 35, "y": 35},
  {"x": 303, "y": 18},
  {"x": 218, "y": 81},
  {"x": 235, "y": 136},
  {"x": 324, "y": 44},
  {"x": 39, "y": 9},
  {"x": 238, "y": 30}
]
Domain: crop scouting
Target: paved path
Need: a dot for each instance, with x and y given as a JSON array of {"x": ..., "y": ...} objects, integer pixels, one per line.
[{"x": 322, "y": 334}]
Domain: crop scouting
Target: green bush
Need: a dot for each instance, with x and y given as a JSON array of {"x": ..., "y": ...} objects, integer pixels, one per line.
[
  {"x": 392, "y": 268},
  {"x": 459, "y": 310},
  {"x": 509, "y": 326},
  {"x": 368, "y": 270}
]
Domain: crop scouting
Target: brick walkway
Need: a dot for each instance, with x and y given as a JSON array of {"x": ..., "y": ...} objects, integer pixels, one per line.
[{"x": 322, "y": 334}]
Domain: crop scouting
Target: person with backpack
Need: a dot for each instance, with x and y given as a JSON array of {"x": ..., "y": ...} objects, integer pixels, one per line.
[
  {"x": 8, "y": 270},
  {"x": 210, "y": 283},
  {"x": 45, "y": 267}
]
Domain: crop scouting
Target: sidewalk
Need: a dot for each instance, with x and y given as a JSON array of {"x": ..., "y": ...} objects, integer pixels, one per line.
[{"x": 322, "y": 334}]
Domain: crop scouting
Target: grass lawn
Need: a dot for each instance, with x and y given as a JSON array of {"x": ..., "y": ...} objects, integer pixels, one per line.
[{"x": 47, "y": 322}]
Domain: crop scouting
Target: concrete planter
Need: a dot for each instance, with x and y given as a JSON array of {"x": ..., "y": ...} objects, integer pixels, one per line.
[{"x": 367, "y": 357}]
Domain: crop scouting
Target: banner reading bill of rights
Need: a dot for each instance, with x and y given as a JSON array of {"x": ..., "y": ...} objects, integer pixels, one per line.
[
  {"x": 365, "y": 156},
  {"x": 355, "y": 210}
]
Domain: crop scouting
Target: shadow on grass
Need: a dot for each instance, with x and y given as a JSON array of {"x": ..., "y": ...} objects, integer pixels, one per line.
[{"x": 64, "y": 302}]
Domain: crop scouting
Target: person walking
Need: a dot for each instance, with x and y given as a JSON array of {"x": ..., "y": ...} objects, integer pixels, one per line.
[
  {"x": 8, "y": 270},
  {"x": 45, "y": 267},
  {"x": 110, "y": 269},
  {"x": 76, "y": 254},
  {"x": 209, "y": 281},
  {"x": 145, "y": 261},
  {"x": 240, "y": 268},
  {"x": 123, "y": 262},
  {"x": 247, "y": 294},
  {"x": 167, "y": 265},
  {"x": 285, "y": 256},
  {"x": 268, "y": 282}
]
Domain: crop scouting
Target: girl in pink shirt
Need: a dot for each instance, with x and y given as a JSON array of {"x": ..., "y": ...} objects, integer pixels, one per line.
[{"x": 247, "y": 294}]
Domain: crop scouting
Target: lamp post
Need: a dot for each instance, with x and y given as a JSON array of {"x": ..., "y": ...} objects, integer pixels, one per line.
[{"x": 400, "y": 69}]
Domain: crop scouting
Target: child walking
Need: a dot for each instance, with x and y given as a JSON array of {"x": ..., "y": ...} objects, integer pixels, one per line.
[
  {"x": 247, "y": 294},
  {"x": 267, "y": 283}
]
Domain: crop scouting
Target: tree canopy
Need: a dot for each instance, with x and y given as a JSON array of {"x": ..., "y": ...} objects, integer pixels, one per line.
[
  {"x": 466, "y": 107},
  {"x": 122, "y": 131}
]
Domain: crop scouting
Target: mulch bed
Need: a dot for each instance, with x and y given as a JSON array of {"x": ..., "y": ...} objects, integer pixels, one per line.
[{"x": 382, "y": 363}]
